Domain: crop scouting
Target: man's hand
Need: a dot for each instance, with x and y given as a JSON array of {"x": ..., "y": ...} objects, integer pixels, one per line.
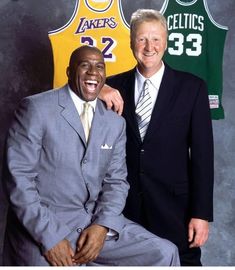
[
  {"x": 198, "y": 230},
  {"x": 112, "y": 98},
  {"x": 90, "y": 244},
  {"x": 61, "y": 254}
]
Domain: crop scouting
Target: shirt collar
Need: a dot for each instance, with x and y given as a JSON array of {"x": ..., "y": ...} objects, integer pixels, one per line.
[
  {"x": 155, "y": 79},
  {"x": 78, "y": 102}
]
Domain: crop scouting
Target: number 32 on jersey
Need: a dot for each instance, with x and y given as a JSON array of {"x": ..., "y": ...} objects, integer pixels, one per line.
[{"x": 108, "y": 44}]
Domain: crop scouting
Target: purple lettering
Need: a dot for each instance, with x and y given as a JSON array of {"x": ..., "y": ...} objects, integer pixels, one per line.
[{"x": 86, "y": 24}]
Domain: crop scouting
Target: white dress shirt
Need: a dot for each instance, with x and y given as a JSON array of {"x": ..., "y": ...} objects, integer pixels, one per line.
[
  {"x": 154, "y": 85},
  {"x": 78, "y": 102}
]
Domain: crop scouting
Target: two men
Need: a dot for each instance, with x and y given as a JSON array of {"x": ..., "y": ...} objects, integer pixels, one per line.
[
  {"x": 170, "y": 166},
  {"x": 66, "y": 182}
]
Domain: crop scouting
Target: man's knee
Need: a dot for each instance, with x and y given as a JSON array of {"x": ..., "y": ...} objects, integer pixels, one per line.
[{"x": 169, "y": 253}]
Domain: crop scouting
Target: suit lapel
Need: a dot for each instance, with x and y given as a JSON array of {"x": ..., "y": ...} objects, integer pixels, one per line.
[
  {"x": 163, "y": 102},
  {"x": 97, "y": 123},
  {"x": 69, "y": 112},
  {"x": 129, "y": 105}
]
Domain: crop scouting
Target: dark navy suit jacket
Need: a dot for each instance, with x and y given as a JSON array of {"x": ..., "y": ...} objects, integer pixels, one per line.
[{"x": 171, "y": 171}]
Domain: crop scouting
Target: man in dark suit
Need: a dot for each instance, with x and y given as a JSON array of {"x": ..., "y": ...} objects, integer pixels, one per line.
[{"x": 170, "y": 166}]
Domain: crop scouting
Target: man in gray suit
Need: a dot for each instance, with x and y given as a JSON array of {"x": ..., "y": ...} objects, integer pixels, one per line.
[{"x": 67, "y": 185}]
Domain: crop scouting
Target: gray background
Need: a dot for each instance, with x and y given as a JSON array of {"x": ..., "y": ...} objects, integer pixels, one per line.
[{"x": 26, "y": 67}]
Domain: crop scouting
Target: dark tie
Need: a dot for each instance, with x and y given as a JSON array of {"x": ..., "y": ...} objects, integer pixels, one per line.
[{"x": 143, "y": 109}]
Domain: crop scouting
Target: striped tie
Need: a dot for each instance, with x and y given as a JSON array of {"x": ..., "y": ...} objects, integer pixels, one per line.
[{"x": 143, "y": 109}]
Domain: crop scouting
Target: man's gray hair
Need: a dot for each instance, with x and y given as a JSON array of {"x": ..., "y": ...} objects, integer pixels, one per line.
[{"x": 146, "y": 15}]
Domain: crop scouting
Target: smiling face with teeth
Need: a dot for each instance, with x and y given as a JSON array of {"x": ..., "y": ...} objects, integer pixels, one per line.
[
  {"x": 148, "y": 44},
  {"x": 86, "y": 72}
]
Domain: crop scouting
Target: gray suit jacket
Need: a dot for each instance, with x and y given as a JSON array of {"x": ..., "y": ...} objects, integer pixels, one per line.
[{"x": 57, "y": 183}]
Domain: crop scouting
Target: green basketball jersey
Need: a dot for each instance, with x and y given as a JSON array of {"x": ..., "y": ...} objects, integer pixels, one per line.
[{"x": 196, "y": 45}]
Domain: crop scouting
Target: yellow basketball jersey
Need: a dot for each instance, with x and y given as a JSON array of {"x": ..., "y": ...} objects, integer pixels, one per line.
[{"x": 99, "y": 23}]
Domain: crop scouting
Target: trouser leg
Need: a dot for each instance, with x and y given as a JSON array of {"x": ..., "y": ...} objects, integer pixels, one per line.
[
  {"x": 137, "y": 247},
  {"x": 191, "y": 257}
]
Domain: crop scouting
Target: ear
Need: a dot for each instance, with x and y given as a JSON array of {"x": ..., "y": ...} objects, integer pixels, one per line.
[
  {"x": 67, "y": 71},
  {"x": 131, "y": 44}
]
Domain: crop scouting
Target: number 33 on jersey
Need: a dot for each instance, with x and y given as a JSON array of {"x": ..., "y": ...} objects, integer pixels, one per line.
[
  {"x": 196, "y": 44},
  {"x": 97, "y": 23}
]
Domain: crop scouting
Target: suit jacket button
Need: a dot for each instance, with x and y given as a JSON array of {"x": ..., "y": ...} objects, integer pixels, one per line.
[
  {"x": 79, "y": 230},
  {"x": 84, "y": 160}
]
